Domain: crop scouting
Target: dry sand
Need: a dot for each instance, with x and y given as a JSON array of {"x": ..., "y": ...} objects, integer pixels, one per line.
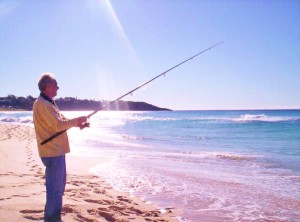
[{"x": 87, "y": 197}]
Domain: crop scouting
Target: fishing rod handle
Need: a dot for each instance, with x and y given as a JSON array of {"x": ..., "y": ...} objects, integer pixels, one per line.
[{"x": 86, "y": 124}]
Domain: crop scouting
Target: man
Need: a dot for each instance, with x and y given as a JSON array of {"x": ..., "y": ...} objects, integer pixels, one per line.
[{"x": 48, "y": 121}]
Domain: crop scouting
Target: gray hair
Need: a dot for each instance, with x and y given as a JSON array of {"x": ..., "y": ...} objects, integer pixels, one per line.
[{"x": 45, "y": 79}]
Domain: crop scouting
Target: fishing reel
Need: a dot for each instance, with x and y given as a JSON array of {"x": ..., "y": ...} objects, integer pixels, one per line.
[{"x": 86, "y": 124}]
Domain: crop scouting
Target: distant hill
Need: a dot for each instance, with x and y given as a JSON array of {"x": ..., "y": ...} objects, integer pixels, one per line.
[{"x": 12, "y": 102}]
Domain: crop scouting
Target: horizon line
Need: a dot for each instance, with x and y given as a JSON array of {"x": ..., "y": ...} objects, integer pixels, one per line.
[{"x": 201, "y": 109}]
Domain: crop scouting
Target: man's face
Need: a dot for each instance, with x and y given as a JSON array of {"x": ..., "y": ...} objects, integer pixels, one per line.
[{"x": 51, "y": 89}]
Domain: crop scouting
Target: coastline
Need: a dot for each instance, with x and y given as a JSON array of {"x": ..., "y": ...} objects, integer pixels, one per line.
[{"x": 87, "y": 197}]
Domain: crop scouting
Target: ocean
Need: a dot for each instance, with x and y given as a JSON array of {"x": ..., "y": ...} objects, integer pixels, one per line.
[{"x": 209, "y": 165}]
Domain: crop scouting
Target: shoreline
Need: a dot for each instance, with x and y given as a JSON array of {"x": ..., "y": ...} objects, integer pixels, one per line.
[{"x": 87, "y": 197}]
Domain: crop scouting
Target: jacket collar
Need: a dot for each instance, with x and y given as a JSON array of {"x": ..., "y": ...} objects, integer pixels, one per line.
[{"x": 47, "y": 98}]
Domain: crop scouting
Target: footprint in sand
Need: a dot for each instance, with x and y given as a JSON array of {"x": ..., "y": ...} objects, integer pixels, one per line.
[
  {"x": 107, "y": 216},
  {"x": 70, "y": 209},
  {"x": 98, "y": 191},
  {"x": 121, "y": 198},
  {"x": 103, "y": 202},
  {"x": 33, "y": 214},
  {"x": 85, "y": 219}
]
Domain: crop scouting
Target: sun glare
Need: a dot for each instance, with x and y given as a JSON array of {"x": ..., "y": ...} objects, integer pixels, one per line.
[
  {"x": 120, "y": 29},
  {"x": 106, "y": 82}
]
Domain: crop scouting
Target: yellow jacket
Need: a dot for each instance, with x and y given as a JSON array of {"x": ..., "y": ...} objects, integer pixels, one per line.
[{"x": 47, "y": 121}]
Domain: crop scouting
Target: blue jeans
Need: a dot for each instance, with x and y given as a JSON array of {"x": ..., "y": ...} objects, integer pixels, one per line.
[{"x": 55, "y": 174}]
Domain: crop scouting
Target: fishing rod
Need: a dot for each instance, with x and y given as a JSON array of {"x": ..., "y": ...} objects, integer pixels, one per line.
[{"x": 87, "y": 124}]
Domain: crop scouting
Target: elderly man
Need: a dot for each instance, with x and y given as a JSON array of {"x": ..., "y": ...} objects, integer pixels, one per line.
[{"x": 47, "y": 121}]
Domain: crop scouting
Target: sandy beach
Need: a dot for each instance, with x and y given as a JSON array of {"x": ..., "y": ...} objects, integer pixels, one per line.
[{"x": 87, "y": 197}]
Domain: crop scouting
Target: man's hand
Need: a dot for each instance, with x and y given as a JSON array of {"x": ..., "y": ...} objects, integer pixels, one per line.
[{"x": 81, "y": 120}]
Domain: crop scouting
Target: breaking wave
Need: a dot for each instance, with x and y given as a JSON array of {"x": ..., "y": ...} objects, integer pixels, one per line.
[
  {"x": 14, "y": 119},
  {"x": 263, "y": 118},
  {"x": 241, "y": 118}
]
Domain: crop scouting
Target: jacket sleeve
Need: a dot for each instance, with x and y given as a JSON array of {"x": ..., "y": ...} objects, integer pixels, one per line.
[{"x": 55, "y": 120}]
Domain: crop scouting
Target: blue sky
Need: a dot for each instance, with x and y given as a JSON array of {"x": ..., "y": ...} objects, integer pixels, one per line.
[{"x": 101, "y": 49}]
